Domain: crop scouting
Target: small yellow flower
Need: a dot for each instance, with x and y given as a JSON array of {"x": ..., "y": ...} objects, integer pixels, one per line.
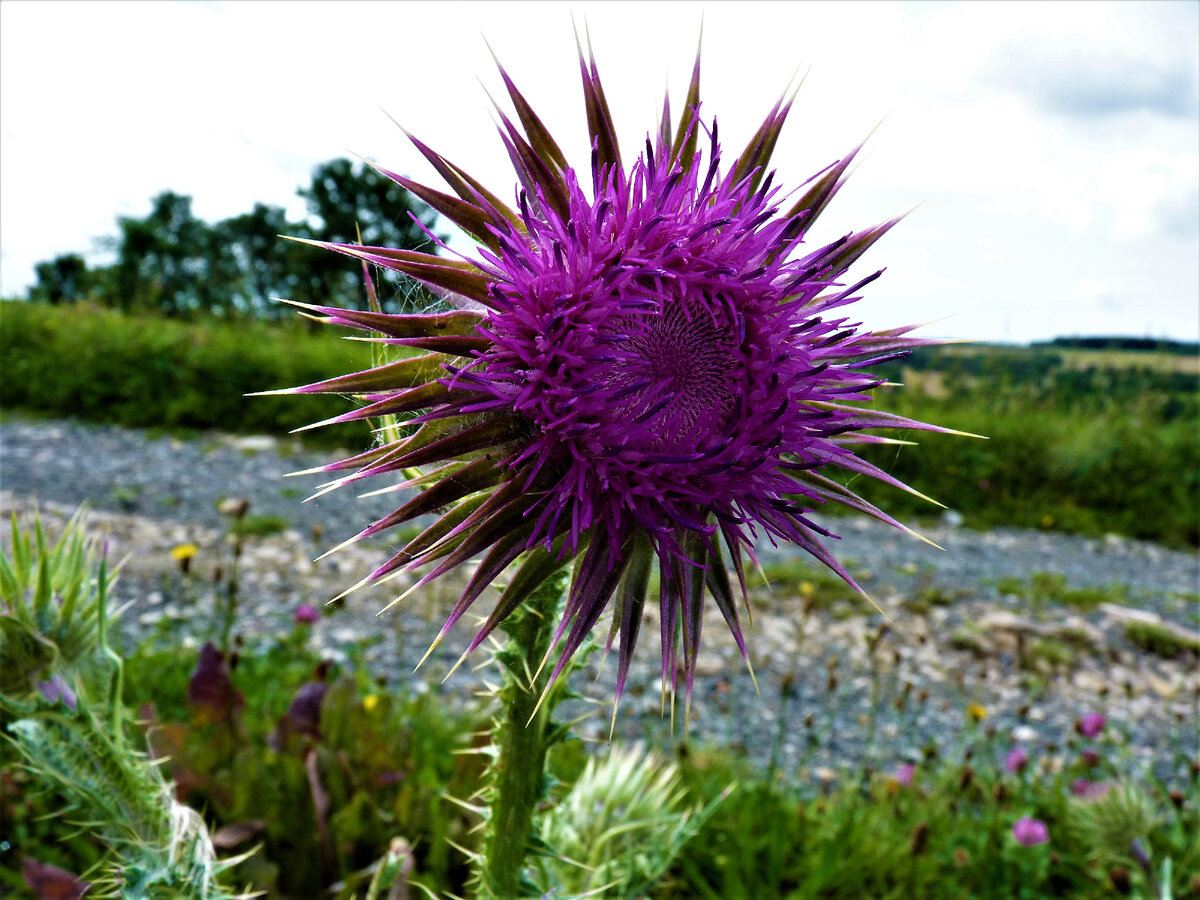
[
  {"x": 806, "y": 588},
  {"x": 370, "y": 701},
  {"x": 1047, "y": 521},
  {"x": 976, "y": 712},
  {"x": 182, "y": 554}
]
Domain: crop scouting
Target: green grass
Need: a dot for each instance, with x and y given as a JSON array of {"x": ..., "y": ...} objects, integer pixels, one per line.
[
  {"x": 1160, "y": 641},
  {"x": 152, "y": 372},
  {"x": 1045, "y": 588},
  {"x": 387, "y": 768},
  {"x": 1072, "y": 445},
  {"x": 815, "y": 586},
  {"x": 258, "y": 526},
  {"x": 948, "y": 835}
]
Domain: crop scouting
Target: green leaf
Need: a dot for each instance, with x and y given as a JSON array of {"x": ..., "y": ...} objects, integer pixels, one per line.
[{"x": 400, "y": 375}]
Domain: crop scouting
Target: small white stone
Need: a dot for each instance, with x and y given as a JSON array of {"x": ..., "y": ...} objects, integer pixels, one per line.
[{"x": 1024, "y": 734}]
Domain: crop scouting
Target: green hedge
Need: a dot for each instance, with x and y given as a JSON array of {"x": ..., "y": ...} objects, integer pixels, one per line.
[
  {"x": 151, "y": 372},
  {"x": 1046, "y": 470},
  {"x": 1094, "y": 450}
]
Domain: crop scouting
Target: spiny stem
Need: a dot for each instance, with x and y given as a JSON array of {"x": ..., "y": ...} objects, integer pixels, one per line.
[
  {"x": 522, "y": 740},
  {"x": 117, "y": 678}
]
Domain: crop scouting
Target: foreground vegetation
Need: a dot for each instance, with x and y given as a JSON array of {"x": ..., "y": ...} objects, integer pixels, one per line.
[
  {"x": 334, "y": 782},
  {"x": 1084, "y": 440}
]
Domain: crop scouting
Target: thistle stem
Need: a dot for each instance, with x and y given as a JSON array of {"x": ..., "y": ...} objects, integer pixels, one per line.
[{"x": 522, "y": 738}]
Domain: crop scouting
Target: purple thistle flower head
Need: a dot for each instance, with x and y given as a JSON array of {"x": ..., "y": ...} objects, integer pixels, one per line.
[
  {"x": 1089, "y": 790},
  {"x": 649, "y": 368},
  {"x": 306, "y": 614},
  {"x": 1029, "y": 832},
  {"x": 1016, "y": 760},
  {"x": 57, "y": 689},
  {"x": 1091, "y": 724}
]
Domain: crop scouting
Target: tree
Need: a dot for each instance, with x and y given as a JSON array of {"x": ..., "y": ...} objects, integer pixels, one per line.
[
  {"x": 172, "y": 262},
  {"x": 64, "y": 279},
  {"x": 343, "y": 200},
  {"x": 162, "y": 260},
  {"x": 266, "y": 264}
]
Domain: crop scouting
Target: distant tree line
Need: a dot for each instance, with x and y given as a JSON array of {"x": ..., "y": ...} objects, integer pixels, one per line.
[
  {"x": 1147, "y": 345},
  {"x": 172, "y": 262}
]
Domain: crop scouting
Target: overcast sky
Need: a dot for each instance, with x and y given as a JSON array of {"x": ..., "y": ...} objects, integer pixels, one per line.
[{"x": 1054, "y": 148}]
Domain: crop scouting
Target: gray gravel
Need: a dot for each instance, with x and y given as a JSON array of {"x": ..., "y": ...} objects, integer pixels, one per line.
[
  {"x": 165, "y": 477},
  {"x": 175, "y": 484}
]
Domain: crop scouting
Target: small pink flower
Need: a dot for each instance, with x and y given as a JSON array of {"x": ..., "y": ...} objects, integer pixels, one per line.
[
  {"x": 56, "y": 689},
  {"x": 1029, "y": 831},
  {"x": 305, "y": 615},
  {"x": 1091, "y": 725},
  {"x": 1016, "y": 760},
  {"x": 904, "y": 774},
  {"x": 1089, "y": 790}
]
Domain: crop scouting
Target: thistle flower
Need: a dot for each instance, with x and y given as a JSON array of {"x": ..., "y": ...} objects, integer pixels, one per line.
[
  {"x": 1016, "y": 760},
  {"x": 647, "y": 368},
  {"x": 306, "y": 614},
  {"x": 1091, "y": 725},
  {"x": 1089, "y": 790},
  {"x": 1029, "y": 832}
]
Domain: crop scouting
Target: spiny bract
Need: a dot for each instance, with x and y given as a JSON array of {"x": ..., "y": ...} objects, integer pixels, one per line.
[{"x": 644, "y": 369}]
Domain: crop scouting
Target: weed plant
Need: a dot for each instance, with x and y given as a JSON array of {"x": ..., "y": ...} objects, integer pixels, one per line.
[{"x": 323, "y": 797}]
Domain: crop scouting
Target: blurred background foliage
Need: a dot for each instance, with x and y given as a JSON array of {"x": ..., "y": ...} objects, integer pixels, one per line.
[
  {"x": 1082, "y": 438},
  {"x": 171, "y": 262}
]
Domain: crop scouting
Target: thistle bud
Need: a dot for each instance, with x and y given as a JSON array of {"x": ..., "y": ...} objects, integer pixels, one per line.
[{"x": 920, "y": 839}]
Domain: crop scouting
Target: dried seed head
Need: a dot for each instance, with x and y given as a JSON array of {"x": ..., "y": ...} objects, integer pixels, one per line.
[{"x": 920, "y": 839}]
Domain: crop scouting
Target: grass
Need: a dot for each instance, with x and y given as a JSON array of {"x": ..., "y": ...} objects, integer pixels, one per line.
[
  {"x": 1160, "y": 641},
  {"x": 387, "y": 768},
  {"x": 150, "y": 372},
  {"x": 1044, "y": 588},
  {"x": 256, "y": 525},
  {"x": 1088, "y": 449},
  {"x": 923, "y": 600}
]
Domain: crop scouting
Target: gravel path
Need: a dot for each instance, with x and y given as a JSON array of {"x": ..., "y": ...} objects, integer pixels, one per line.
[{"x": 817, "y": 671}]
